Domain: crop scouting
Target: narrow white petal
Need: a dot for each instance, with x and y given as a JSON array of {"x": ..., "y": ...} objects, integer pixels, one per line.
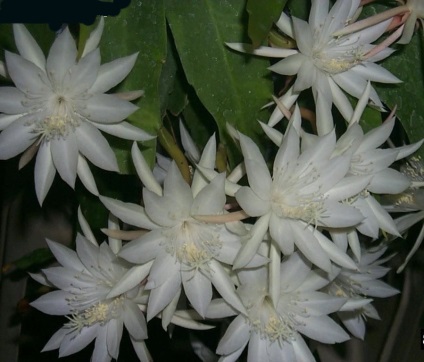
[
  {"x": 274, "y": 135},
  {"x": 143, "y": 249},
  {"x": 112, "y": 73},
  {"x": 230, "y": 187},
  {"x": 306, "y": 76},
  {"x": 15, "y": 139},
  {"x": 164, "y": 211},
  {"x": 27, "y": 46},
  {"x": 114, "y": 335},
  {"x": 211, "y": 199},
  {"x": 219, "y": 308},
  {"x": 93, "y": 145},
  {"x": 56, "y": 339},
  {"x": 309, "y": 246},
  {"x": 224, "y": 285},
  {"x": 348, "y": 187},
  {"x": 107, "y": 108},
  {"x": 374, "y": 73},
  {"x": 168, "y": 313},
  {"x": 198, "y": 290},
  {"x": 11, "y": 99},
  {"x": 384, "y": 219},
  {"x": 189, "y": 146},
  {"x": 85, "y": 227},
  {"x": 141, "y": 350},
  {"x": 249, "y": 249},
  {"x": 6, "y": 120},
  {"x": 86, "y": 176},
  {"x": 83, "y": 74},
  {"x": 301, "y": 350},
  {"x": 163, "y": 269},
  {"x": 235, "y": 337},
  {"x": 143, "y": 171},
  {"x": 262, "y": 50},
  {"x": 251, "y": 203},
  {"x": 319, "y": 303},
  {"x": 26, "y": 75},
  {"x": 281, "y": 232},
  {"x": 53, "y": 303},
  {"x": 65, "y": 158},
  {"x": 100, "y": 352},
  {"x": 160, "y": 297},
  {"x": 339, "y": 215},
  {"x": 94, "y": 38},
  {"x": 131, "y": 278},
  {"x": 318, "y": 13},
  {"x": 335, "y": 253},
  {"x": 44, "y": 171},
  {"x": 125, "y": 130},
  {"x": 405, "y": 151},
  {"x": 284, "y": 23},
  {"x": 65, "y": 256},
  {"x": 288, "y": 99},
  {"x": 289, "y": 65},
  {"x": 290, "y": 147},
  {"x": 74, "y": 342},
  {"x": 135, "y": 321},
  {"x": 389, "y": 181},
  {"x": 340, "y": 100},
  {"x": 354, "y": 244},
  {"x": 304, "y": 36},
  {"x": 87, "y": 252},
  {"x": 355, "y": 304},
  {"x": 377, "y": 136},
  {"x": 257, "y": 347},
  {"x": 62, "y": 56},
  {"x": 205, "y": 168},
  {"x": 322, "y": 329},
  {"x": 130, "y": 213},
  {"x": 294, "y": 270},
  {"x": 354, "y": 323},
  {"x": 320, "y": 150},
  {"x": 325, "y": 123},
  {"x": 177, "y": 189},
  {"x": 369, "y": 226}
]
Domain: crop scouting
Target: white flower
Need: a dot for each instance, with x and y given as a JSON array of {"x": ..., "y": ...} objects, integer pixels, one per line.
[
  {"x": 273, "y": 328},
  {"x": 357, "y": 286},
  {"x": 185, "y": 252},
  {"x": 370, "y": 160},
  {"x": 302, "y": 195},
  {"x": 86, "y": 279},
  {"x": 59, "y": 106},
  {"x": 328, "y": 63}
]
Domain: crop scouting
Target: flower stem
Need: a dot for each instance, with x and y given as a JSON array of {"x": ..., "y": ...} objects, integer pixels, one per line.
[{"x": 169, "y": 144}]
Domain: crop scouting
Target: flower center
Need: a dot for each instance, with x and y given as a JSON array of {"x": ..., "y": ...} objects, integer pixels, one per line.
[
  {"x": 101, "y": 313},
  {"x": 336, "y": 63},
  {"x": 275, "y": 324},
  {"x": 194, "y": 243},
  {"x": 60, "y": 121}
]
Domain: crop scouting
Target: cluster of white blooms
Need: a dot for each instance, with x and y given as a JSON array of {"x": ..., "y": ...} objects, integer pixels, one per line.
[{"x": 280, "y": 251}]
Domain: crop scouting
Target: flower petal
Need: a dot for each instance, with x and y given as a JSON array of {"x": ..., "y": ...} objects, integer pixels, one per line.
[
  {"x": 62, "y": 56},
  {"x": 44, "y": 171},
  {"x": 65, "y": 157},
  {"x": 27, "y": 46},
  {"x": 93, "y": 145},
  {"x": 107, "y": 108},
  {"x": 112, "y": 73}
]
